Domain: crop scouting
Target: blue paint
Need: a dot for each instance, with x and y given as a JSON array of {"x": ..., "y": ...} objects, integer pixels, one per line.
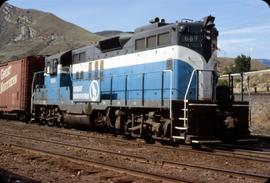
[{"x": 127, "y": 82}]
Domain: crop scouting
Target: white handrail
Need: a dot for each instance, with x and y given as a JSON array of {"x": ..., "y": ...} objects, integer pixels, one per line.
[
  {"x": 32, "y": 90},
  {"x": 191, "y": 78},
  {"x": 189, "y": 83},
  {"x": 171, "y": 85}
]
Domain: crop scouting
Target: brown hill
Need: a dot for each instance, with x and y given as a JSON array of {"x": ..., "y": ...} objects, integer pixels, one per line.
[
  {"x": 28, "y": 32},
  {"x": 225, "y": 65}
]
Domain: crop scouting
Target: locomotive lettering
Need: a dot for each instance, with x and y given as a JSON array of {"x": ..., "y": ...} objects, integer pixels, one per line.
[{"x": 81, "y": 96}]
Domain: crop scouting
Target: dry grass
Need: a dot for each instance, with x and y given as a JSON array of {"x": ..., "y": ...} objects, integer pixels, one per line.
[
  {"x": 225, "y": 65},
  {"x": 260, "y": 114}
]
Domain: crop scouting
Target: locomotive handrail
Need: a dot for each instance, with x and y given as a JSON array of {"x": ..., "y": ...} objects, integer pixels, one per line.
[
  {"x": 138, "y": 74},
  {"x": 32, "y": 89},
  {"x": 189, "y": 83},
  {"x": 242, "y": 74},
  {"x": 171, "y": 85},
  {"x": 122, "y": 75},
  {"x": 186, "y": 94},
  {"x": 185, "y": 98},
  {"x": 191, "y": 78}
]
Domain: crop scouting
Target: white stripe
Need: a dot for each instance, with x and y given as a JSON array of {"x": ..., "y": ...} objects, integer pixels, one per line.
[
  {"x": 194, "y": 104},
  {"x": 184, "y": 54},
  {"x": 146, "y": 57}
]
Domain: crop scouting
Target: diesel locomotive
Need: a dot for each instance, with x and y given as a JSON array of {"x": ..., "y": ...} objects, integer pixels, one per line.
[{"x": 158, "y": 82}]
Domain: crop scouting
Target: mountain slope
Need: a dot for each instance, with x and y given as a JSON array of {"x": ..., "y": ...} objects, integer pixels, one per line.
[
  {"x": 225, "y": 65},
  {"x": 109, "y": 33},
  {"x": 265, "y": 62},
  {"x": 28, "y": 32}
]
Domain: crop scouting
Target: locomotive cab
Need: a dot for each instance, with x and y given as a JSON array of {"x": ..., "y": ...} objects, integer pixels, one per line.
[{"x": 55, "y": 88}]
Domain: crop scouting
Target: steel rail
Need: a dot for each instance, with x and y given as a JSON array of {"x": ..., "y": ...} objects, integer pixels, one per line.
[
  {"x": 236, "y": 153},
  {"x": 143, "y": 159}
]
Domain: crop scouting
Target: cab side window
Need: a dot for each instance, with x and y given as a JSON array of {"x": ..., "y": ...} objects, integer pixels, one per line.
[{"x": 54, "y": 67}]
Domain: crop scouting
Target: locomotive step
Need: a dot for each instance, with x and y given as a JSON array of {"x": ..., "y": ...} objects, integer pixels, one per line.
[
  {"x": 180, "y": 128},
  {"x": 178, "y": 137},
  {"x": 183, "y": 119},
  {"x": 205, "y": 141}
]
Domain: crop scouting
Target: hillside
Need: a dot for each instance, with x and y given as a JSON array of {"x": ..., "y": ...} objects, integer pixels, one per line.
[
  {"x": 28, "y": 32},
  {"x": 225, "y": 65},
  {"x": 109, "y": 33},
  {"x": 265, "y": 62}
]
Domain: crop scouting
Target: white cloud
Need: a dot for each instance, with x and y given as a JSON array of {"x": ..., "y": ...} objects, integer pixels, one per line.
[
  {"x": 235, "y": 41},
  {"x": 247, "y": 30},
  {"x": 236, "y": 46}
]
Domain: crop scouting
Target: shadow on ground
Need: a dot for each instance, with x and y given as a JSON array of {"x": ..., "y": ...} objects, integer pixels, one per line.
[{"x": 9, "y": 177}]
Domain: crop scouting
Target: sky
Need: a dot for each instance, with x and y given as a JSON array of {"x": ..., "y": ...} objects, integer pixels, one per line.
[{"x": 244, "y": 25}]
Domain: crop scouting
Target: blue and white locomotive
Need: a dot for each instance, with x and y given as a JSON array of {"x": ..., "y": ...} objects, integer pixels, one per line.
[{"x": 158, "y": 82}]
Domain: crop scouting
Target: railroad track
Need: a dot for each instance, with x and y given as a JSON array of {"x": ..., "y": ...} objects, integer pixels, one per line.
[
  {"x": 133, "y": 158},
  {"x": 83, "y": 160},
  {"x": 224, "y": 150},
  {"x": 231, "y": 151}
]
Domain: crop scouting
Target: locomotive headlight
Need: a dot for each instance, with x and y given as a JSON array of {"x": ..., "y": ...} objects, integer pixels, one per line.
[
  {"x": 182, "y": 28},
  {"x": 208, "y": 25}
]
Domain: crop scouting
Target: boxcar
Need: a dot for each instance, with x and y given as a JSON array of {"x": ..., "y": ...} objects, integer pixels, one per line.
[{"x": 15, "y": 85}]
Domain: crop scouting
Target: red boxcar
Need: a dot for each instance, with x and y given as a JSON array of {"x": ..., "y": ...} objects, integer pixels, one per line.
[{"x": 15, "y": 84}]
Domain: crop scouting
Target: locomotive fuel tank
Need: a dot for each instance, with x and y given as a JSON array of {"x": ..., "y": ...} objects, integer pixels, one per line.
[{"x": 79, "y": 121}]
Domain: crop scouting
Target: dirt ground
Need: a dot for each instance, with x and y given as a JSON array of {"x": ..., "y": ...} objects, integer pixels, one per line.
[
  {"x": 260, "y": 114},
  {"x": 20, "y": 166},
  {"x": 17, "y": 165}
]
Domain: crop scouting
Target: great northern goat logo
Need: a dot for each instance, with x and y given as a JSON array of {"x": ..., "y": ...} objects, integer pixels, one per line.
[{"x": 94, "y": 91}]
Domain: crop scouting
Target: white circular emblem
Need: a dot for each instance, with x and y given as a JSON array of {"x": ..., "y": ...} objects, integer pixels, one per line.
[{"x": 94, "y": 90}]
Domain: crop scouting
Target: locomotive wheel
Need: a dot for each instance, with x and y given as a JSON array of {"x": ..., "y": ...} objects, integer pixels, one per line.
[
  {"x": 147, "y": 134},
  {"x": 22, "y": 117}
]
